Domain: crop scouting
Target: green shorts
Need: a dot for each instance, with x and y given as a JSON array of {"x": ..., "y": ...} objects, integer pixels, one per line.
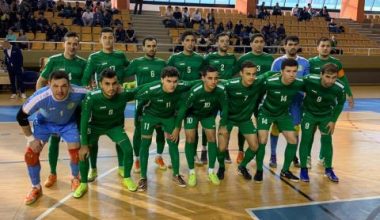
[
  {"x": 191, "y": 122},
  {"x": 116, "y": 134},
  {"x": 150, "y": 122},
  {"x": 284, "y": 122},
  {"x": 310, "y": 122},
  {"x": 245, "y": 127}
]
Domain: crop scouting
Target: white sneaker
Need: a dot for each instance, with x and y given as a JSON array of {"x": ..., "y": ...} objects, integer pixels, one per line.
[
  {"x": 23, "y": 95},
  {"x": 308, "y": 163},
  {"x": 13, "y": 96}
]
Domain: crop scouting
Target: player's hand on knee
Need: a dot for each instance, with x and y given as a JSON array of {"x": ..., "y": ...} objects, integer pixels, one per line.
[
  {"x": 331, "y": 127},
  {"x": 175, "y": 135},
  {"x": 35, "y": 145},
  {"x": 83, "y": 152}
]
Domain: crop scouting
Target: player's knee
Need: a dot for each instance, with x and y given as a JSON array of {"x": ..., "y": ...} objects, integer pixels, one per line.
[
  {"x": 74, "y": 155},
  {"x": 292, "y": 139},
  {"x": 31, "y": 158}
]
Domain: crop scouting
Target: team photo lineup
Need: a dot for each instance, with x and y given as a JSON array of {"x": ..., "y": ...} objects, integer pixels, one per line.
[{"x": 78, "y": 100}]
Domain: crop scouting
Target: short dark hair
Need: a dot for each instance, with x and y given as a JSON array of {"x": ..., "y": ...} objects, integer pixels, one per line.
[
  {"x": 187, "y": 33},
  {"x": 59, "y": 74},
  {"x": 208, "y": 70},
  {"x": 323, "y": 39},
  {"x": 169, "y": 71},
  {"x": 221, "y": 35},
  {"x": 256, "y": 36},
  {"x": 107, "y": 73},
  {"x": 106, "y": 30},
  {"x": 329, "y": 68},
  {"x": 292, "y": 38},
  {"x": 247, "y": 64},
  {"x": 150, "y": 39},
  {"x": 70, "y": 34},
  {"x": 288, "y": 62}
]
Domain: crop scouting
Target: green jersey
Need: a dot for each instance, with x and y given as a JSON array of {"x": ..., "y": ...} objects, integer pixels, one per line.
[
  {"x": 100, "y": 113},
  {"x": 73, "y": 67},
  {"x": 242, "y": 101},
  {"x": 263, "y": 61},
  {"x": 321, "y": 101},
  {"x": 226, "y": 65},
  {"x": 99, "y": 61},
  {"x": 203, "y": 104},
  {"x": 153, "y": 100},
  {"x": 316, "y": 63},
  {"x": 189, "y": 66},
  {"x": 145, "y": 69},
  {"x": 278, "y": 96}
]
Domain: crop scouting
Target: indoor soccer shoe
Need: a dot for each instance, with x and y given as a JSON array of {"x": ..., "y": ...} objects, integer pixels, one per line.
[
  {"x": 160, "y": 163},
  {"x": 137, "y": 169},
  {"x": 244, "y": 172},
  {"x": 192, "y": 180},
  {"x": 304, "y": 175},
  {"x": 213, "y": 178},
  {"x": 120, "y": 171},
  {"x": 92, "y": 174},
  {"x": 51, "y": 180},
  {"x": 273, "y": 161},
  {"x": 80, "y": 191},
  {"x": 33, "y": 195},
  {"x": 258, "y": 178},
  {"x": 179, "y": 181},
  {"x": 331, "y": 175},
  {"x": 130, "y": 184},
  {"x": 75, "y": 182},
  {"x": 240, "y": 157},
  {"x": 289, "y": 175},
  {"x": 220, "y": 173}
]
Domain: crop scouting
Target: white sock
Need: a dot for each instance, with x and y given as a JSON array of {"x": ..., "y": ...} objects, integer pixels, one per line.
[
  {"x": 137, "y": 158},
  {"x": 38, "y": 186},
  {"x": 210, "y": 170},
  {"x": 191, "y": 171}
]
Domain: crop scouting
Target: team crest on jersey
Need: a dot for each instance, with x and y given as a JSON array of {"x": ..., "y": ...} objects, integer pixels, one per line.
[
  {"x": 182, "y": 64},
  {"x": 71, "y": 105},
  {"x": 145, "y": 68}
]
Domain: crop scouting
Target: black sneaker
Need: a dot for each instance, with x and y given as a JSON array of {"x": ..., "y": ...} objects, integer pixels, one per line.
[
  {"x": 258, "y": 176},
  {"x": 244, "y": 172},
  {"x": 179, "y": 181},
  {"x": 289, "y": 175},
  {"x": 204, "y": 156},
  {"x": 228, "y": 158},
  {"x": 296, "y": 163},
  {"x": 220, "y": 173},
  {"x": 142, "y": 185}
]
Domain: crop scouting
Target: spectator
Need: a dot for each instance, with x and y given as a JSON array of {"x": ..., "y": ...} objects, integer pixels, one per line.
[
  {"x": 32, "y": 24},
  {"x": 277, "y": 10},
  {"x": 63, "y": 30},
  {"x": 177, "y": 17},
  {"x": 77, "y": 14},
  {"x": 196, "y": 17},
  {"x": 310, "y": 10},
  {"x": 219, "y": 28},
  {"x": 130, "y": 34},
  {"x": 120, "y": 34},
  {"x": 88, "y": 4},
  {"x": 203, "y": 30},
  {"x": 211, "y": 18},
  {"x": 53, "y": 33},
  {"x": 324, "y": 13},
  {"x": 263, "y": 14},
  {"x": 295, "y": 11},
  {"x": 333, "y": 27},
  {"x": 244, "y": 36},
  {"x": 238, "y": 28},
  {"x": 203, "y": 43},
  {"x": 168, "y": 19},
  {"x": 304, "y": 15},
  {"x": 107, "y": 5},
  {"x": 60, "y": 4},
  {"x": 11, "y": 36},
  {"x": 42, "y": 24},
  {"x": 281, "y": 34},
  {"x": 138, "y": 3},
  {"x": 87, "y": 17},
  {"x": 186, "y": 17},
  {"x": 98, "y": 18},
  {"x": 229, "y": 26},
  {"x": 22, "y": 37},
  {"x": 334, "y": 44},
  {"x": 67, "y": 11},
  {"x": 107, "y": 18}
]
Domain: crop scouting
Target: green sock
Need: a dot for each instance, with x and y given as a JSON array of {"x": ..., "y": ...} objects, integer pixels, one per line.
[
  {"x": 144, "y": 155},
  {"x": 94, "y": 155},
  {"x": 248, "y": 156},
  {"x": 327, "y": 147},
  {"x": 189, "y": 152},
  {"x": 260, "y": 157},
  {"x": 137, "y": 141},
  {"x": 290, "y": 152},
  {"x": 53, "y": 153},
  {"x": 212, "y": 151},
  {"x": 174, "y": 156},
  {"x": 241, "y": 140},
  {"x": 160, "y": 140},
  {"x": 221, "y": 155},
  {"x": 126, "y": 147},
  {"x": 196, "y": 142},
  {"x": 120, "y": 155},
  {"x": 83, "y": 168},
  {"x": 305, "y": 146}
]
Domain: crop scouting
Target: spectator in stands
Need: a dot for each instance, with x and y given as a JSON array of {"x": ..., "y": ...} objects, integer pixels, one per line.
[
  {"x": 186, "y": 16},
  {"x": 244, "y": 36},
  {"x": 277, "y": 10},
  {"x": 219, "y": 28},
  {"x": 203, "y": 44},
  {"x": 211, "y": 17},
  {"x": 238, "y": 27},
  {"x": 310, "y": 10},
  {"x": 107, "y": 5},
  {"x": 196, "y": 17},
  {"x": 32, "y": 24},
  {"x": 63, "y": 30},
  {"x": 11, "y": 36},
  {"x": 295, "y": 11},
  {"x": 87, "y": 17},
  {"x": 265, "y": 30},
  {"x": 22, "y": 37},
  {"x": 98, "y": 18},
  {"x": 333, "y": 27},
  {"x": 120, "y": 34},
  {"x": 60, "y": 4},
  {"x": 334, "y": 44},
  {"x": 229, "y": 26},
  {"x": 88, "y": 4},
  {"x": 42, "y": 23},
  {"x": 177, "y": 17},
  {"x": 77, "y": 14},
  {"x": 107, "y": 18},
  {"x": 53, "y": 33},
  {"x": 130, "y": 34},
  {"x": 168, "y": 19},
  {"x": 42, "y": 5},
  {"x": 262, "y": 7},
  {"x": 139, "y": 4},
  {"x": 304, "y": 15},
  {"x": 324, "y": 13},
  {"x": 281, "y": 33},
  {"x": 204, "y": 30},
  {"x": 67, "y": 11}
]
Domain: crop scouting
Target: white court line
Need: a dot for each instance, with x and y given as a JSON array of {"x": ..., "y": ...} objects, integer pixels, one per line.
[{"x": 250, "y": 210}]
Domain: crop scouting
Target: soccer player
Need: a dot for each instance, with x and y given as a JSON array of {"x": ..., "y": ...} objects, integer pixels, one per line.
[
  {"x": 103, "y": 114},
  {"x": 158, "y": 102},
  {"x": 73, "y": 65},
  {"x": 96, "y": 63},
  {"x": 147, "y": 69},
  {"x": 202, "y": 104},
  {"x": 263, "y": 62},
  {"x": 242, "y": 93},
  {"x": 325, "y": 97},
  {"x": 190, "y": 64},
  {"x": 291, "y": 47},
  {"x": 280, "y": 91},
  {"x": 55, "y": 105},
  {"x": 224, "y": 62}
]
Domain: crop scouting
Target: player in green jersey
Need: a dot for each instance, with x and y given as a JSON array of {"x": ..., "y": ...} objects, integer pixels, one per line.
[
  {"x": 201, "y": 105},
  {"x": 317, "y": 62},
  {"x": 158, "y": 102},
  {"x": 74, "y": 65},
  {"x": 190, "y": 64},
  {"x": 263, "y": 62},
  {"x": 325, "y": 97},
  {"x": 280, "y": 91},
  {"x": 103, "y": 114},
  {"x": 107, "y": 58},
  {"x": 147, "y": 69}
]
